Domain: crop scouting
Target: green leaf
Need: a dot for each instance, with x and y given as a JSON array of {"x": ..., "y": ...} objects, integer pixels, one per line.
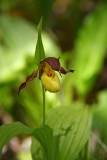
[
  {"x": 84, "y": 153},
  {"x": 100, "y": 114},
  {"x": 39, "y": 52},
  {"x": 71, "y": 128},
  {"x": 18, "y": 34},
  {"x": 90, "y": 50},
  {"x": 24, "y": 155},
  {"x": 45, "y": 136},
  {"x": 37, "y": 151},
  {"x": 8, "y": 131}
]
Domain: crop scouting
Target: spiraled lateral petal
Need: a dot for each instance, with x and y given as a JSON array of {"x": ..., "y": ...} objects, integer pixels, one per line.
[
  {"x": 63, "y": 71},
  {"x": 29, "y": 78}
]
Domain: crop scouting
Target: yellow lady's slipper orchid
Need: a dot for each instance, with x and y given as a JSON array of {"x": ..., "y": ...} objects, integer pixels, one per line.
[
  {"x": 50, "y": 79},
  {"x": 47, "y": 74}
]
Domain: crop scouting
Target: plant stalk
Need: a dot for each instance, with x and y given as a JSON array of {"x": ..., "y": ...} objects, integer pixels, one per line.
[{"x": 43, "y": 89}]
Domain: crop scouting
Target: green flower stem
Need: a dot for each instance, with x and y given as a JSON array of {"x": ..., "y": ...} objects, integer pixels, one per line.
[{"x": 43, "y": 89}]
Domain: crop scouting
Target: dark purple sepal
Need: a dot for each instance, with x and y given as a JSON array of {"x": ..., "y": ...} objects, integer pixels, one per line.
[{"x": 53, "y": 62}]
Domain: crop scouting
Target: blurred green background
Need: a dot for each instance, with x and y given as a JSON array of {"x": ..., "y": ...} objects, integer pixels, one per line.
[{"x": 76, "y": 31}]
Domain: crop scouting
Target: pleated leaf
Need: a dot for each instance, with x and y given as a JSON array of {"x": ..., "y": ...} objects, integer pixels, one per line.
[
  {"x": 8, "y": 131},
  {"x": 71, "y": 128},
  {"x": 45, "y": 136}
]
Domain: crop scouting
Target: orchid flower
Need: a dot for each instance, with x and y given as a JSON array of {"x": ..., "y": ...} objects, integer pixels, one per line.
[{"x": 47, "y": 74}]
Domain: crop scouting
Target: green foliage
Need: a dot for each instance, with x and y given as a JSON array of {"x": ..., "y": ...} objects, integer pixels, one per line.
[
  {"x": 71, "y": 127},
  {"x": 84, "y": 153},
  {"x": 19, "y": 41},
  {"x": 17, "y": 47},
  {"x": 65, "y": 135},
  {"x": 8, "y": 131},
  {"x": 39, "y": 52},
  {"x": 64, "y": 142},
  {"x": 90, "y": 51},
  {"x": 45, "y": 136},
  {"x": 19, "y": 37},
  {"x": 100, "y": 114},
  {"x": 24, "y": 155},
  {"x": 45, "y": 8},
  {"x": 17, "y": 33},
  {"x": 5, "y": 4}
]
